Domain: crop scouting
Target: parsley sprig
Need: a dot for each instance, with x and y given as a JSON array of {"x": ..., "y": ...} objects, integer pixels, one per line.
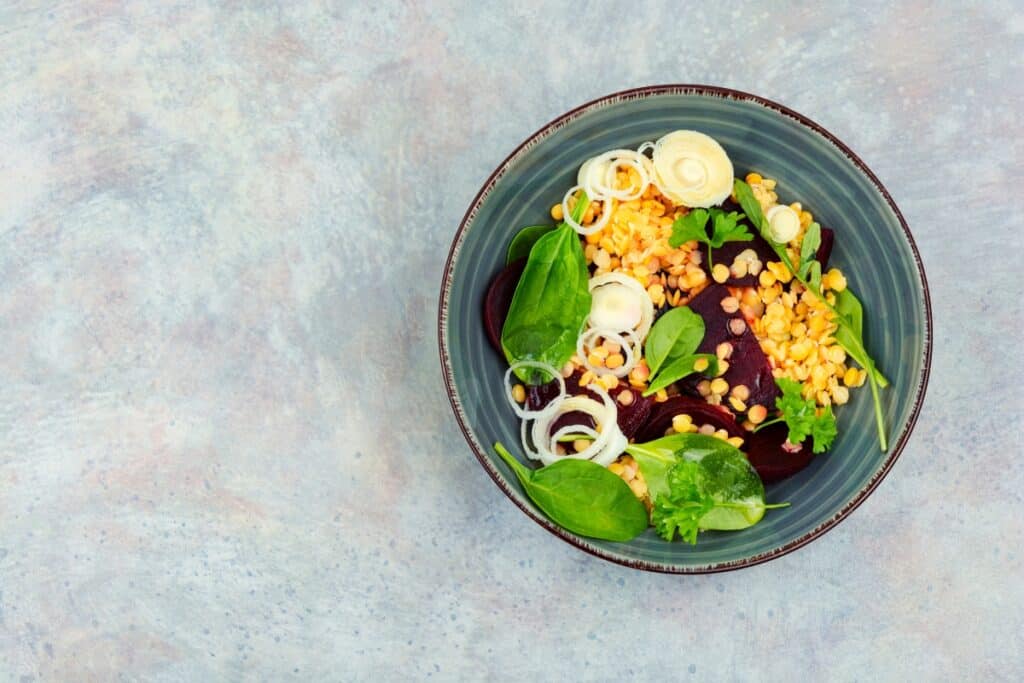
[
  {"x": 802, "y": 417},
  {"x": 725, "y": 227}
]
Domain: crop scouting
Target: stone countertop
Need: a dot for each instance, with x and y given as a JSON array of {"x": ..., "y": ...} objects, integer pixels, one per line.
[{"x": 225, "y": 452}]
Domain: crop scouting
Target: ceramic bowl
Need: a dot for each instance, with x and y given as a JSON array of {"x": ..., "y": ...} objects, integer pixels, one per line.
[{"x": 874, "y": 248}]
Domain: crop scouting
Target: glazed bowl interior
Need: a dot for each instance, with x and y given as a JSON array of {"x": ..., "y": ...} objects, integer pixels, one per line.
[{"x": 873, "y": 248}]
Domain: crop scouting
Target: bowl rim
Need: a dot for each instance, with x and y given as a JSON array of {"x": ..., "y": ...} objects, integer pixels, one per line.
[{"x": 578, "y": 541}]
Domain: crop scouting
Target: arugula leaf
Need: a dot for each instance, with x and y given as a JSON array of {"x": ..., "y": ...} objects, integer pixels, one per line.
[
  {"x": 670, "y": 345},
  {"x": 524, "y": 240},
  {"x": 752, "y": 208},
  {"x": 551, "y": 302},
  {"x": 802, "y": 418},
  {"x": 809, "y": 249},
  {"x": 814, "y": 275},
  {"x": 582, "y": 496}
]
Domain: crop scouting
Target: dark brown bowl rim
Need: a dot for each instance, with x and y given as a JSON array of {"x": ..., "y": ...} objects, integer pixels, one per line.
[{"x": 579, "y": 542}]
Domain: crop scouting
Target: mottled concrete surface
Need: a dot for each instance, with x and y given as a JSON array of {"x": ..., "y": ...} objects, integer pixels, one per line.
[{"x": 225, "y": 452}]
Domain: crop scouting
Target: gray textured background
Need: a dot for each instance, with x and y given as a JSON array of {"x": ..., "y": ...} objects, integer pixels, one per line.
[{"x": 225, "y": 451}]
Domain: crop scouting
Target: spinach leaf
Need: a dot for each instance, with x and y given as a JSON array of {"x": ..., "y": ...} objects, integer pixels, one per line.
[
  {"x": 670, "y": 345},
  {"x": 677, "y": 333},
  {"x": 550, "y": 305},
  {"x": 679, "y": 368},
  {"x": 656, "y": 458},
  {"x": 699, "y": 482},
  {"x": 551, "y": 302},
  {"x": 524, "y": 240},
  {"x": 583, "y": 497}
]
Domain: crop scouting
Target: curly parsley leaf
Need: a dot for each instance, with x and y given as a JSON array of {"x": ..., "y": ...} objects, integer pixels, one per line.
[
  {"x": 687, "y": 501},
  {"x": 727, "y": 228},
  {"x": 801, "y": 416},
  {"x": 823, "y": 431},
  {"x": 690, "y": 228}
]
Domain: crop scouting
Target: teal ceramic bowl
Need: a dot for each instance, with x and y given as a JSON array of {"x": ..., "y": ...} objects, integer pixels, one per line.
[{"x": 873, "y": 247}]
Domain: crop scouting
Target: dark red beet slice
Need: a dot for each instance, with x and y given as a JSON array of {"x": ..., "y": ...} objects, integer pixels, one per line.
[
  {"x": 772, "y": 462},
  {"x": 573, "y": 417},
  {"x": 700, "y": 412},
  {"x": 635, "y": 415},
  {"x": 747, "y": 365},
  {"x": 498, "y": 300},
  {"x": 728, "y": 252}
]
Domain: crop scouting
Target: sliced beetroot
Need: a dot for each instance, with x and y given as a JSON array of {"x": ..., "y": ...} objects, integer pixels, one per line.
[
  {"x": 700, "y": 412},
  {"x": 498, "y": 300},
  {"x": 748, "y": 365},
  {"x": 573, "y": 417},
  {"x": 773, "y": 462},
  {"x": 728, "y": 252},
  {"x": 633, "y": 416}
]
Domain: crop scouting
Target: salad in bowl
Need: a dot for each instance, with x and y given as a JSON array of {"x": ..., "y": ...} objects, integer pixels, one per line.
[{"x": 675, "y": 338}]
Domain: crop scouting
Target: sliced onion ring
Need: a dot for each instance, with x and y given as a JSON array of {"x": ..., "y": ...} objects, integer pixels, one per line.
[
  {"x": 525, "y": 413},
  {"x": 602, "y": 451},
  {"x": 647, "y": 319},
  {"x": 610, "y": 161},
  {"x": 597, "y": 225}
]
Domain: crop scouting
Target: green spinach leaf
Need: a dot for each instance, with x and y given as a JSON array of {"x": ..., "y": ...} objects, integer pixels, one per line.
[
  {"x": 524, "y": 240},
  {"x": 670, "y": 345},
  {"x": 551, "y": 302},
  {"x": 676, "y": 369},
  {"x": 550, "y": 305},
  {"x": 677, "y": 333},
  {"x": 583, "y": 497},
  {"x": 656, "y": 458}
]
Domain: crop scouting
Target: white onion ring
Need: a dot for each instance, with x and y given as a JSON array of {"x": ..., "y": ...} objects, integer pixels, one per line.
[
  {"x": 644, "y": 146},
  {"x": 602, "y": 451},
  {"x": 647, "y": 317},
  {"x": 525, "y": 413},
  {"x": 572, "y": 429},
  {"x": 632, "y": 350},
  {"x": 614, "y": 160},
  {"x": 597, "y": 226}
]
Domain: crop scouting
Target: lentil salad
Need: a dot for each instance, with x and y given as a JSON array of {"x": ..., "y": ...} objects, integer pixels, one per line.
[{"x": 678, "y": 328}]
